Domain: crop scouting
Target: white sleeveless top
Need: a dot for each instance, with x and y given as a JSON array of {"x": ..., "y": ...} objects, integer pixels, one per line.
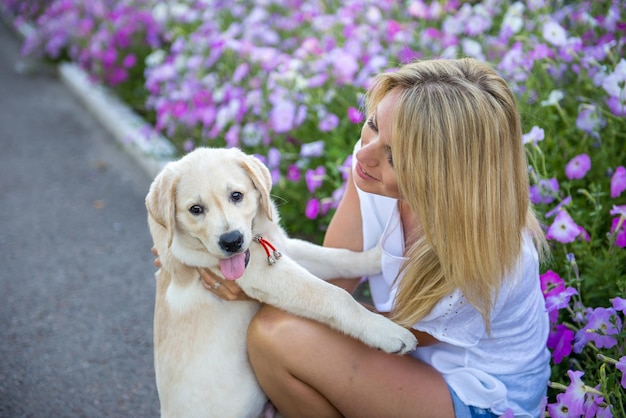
[{"x": 510, "y": 367}]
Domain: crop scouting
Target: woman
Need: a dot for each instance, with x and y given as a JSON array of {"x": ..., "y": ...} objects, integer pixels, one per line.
[{"x": 440, "y": 180}]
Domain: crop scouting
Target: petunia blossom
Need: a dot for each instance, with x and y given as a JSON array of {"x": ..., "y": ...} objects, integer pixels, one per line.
[
  {"x": 602, "y": 325},
  {"x": 563, "y": 229},
  {"x": 618, "y": 182},
  {"x": 535, "y": 135},
  {"x": 560, "y": 342},
  {"x": 560, "y": 300},
  {"x": 578, "y": 167},
  {"x": 545, "y": 191},
  {"x": 312, "y": 149},
  {"x": 354, "y": 115},
  {"x": 551, "y": 283},
  {"x": 312, "y": 209},
  {"x": 575, "y": 393},
  {"x": 619, "y": 304},
  {"x": 314, "y": 178}
]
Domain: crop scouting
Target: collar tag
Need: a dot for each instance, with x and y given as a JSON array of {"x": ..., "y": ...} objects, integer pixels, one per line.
[{"x": 272, "y": 253}]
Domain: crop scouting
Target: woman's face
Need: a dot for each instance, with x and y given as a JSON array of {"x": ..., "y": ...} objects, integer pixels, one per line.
[{"x": 374, "y": 171}]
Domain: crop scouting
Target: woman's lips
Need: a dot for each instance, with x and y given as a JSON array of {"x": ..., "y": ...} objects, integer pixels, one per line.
[{"x": 363, "y": 174}]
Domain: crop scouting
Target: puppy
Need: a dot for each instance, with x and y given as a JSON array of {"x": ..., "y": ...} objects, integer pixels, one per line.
[{"x": 212, "y": 209}]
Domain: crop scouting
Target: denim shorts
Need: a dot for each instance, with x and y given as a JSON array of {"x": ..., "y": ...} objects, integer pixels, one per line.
[{"x": 467, "y": 411}]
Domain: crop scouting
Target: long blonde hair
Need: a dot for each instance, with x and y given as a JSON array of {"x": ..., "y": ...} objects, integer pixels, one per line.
[{"x": 461, "y": 168}]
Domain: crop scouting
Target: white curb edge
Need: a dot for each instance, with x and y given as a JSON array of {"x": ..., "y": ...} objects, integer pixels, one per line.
[{"x": 151, "y": 150}]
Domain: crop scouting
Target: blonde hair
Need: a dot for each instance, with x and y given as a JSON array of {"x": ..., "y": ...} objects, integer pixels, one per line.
[{"x": 461, "y": 168}]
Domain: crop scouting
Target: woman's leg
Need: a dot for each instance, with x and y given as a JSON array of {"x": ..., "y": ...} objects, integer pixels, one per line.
[{"x": 309, "y": 370}]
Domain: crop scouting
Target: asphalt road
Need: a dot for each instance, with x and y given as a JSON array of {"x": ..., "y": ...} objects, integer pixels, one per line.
[{"x": 76, "y": 273}]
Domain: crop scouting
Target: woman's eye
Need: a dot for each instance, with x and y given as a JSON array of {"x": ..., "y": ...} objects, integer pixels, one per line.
[
  {"x": 196, "y": 210},
  {"x": 236, "y": 197},
  {"x": 371, "y": 124}
]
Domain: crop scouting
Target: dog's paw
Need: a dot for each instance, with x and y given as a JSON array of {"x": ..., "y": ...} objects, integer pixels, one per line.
[{"x": 390, "y": 337}]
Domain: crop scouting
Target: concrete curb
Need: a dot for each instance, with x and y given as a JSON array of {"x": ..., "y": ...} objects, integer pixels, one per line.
[{"x": 151, "y": 150}]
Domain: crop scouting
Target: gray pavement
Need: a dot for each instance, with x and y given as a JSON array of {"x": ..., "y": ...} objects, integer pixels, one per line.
[{"x": 76, "y": 273}]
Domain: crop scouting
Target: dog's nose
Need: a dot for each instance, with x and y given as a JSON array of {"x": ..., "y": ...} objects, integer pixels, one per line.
[{"x": 231, "y": 241}]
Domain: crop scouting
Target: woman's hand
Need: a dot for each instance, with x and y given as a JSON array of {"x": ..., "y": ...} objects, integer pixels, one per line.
[{"x": 226, "y": 289}]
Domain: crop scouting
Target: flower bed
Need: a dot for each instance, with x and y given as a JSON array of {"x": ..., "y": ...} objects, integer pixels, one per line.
[{"x": 284, "y": 80}]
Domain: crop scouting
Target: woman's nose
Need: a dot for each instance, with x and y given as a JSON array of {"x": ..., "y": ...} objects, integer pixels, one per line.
[{"x": 367, "y": 155}]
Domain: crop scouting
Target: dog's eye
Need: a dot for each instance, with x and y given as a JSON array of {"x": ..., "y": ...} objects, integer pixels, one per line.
[
  {"x": 236, "y": 196},
  {"x": 196, "y": 209}
]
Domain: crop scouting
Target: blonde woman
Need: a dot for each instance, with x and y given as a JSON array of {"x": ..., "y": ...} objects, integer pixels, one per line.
[{"x": 440, "y": 181}]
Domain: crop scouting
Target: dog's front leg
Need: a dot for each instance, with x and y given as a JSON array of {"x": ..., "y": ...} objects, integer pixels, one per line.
[
  {"x": 334, "y": 263},
  {"x": 288, "y": 286}
]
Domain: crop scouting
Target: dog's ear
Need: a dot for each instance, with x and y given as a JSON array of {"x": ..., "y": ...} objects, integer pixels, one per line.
[
  {"x": 161, "y": 199},
  {"x": 262, "y": 179}
]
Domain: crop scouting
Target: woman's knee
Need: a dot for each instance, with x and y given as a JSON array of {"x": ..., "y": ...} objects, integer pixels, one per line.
[{"x": 270, "y": 329}]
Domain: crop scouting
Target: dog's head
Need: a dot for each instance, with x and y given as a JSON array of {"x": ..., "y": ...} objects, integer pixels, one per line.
[{"x": 207, "y": 202}]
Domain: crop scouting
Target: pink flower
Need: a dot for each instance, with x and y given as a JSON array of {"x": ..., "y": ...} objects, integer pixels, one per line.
[
  {"x": 563, "y": 229},
  {"x": 575, "y": 393},
  {"x": 618, "y": 182},
  {"x": 551, "y": 283},
  {"x": 578, "y": 167}
]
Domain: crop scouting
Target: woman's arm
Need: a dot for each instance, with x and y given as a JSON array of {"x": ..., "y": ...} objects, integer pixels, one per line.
[{"x": 345, "y": 230}]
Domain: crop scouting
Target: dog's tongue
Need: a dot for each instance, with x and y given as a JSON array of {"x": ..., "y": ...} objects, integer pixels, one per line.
[{"x": 233, "y": 268}]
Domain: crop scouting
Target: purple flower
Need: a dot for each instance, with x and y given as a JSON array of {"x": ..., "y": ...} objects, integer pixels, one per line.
[
  {"x": 328, "y": 122},
  {"x": 575, "y": 393},
  {"x": 560, "y": 300},
  {"x": 315, "y": 178},
  {"x": 590, "y": 120},
  {"x": 578, "y": 167},
  {"x": 293, "y": 173},
  {"x": 618, "y": 182},
  {"x": 561, "y": 408},
  {"x": 282, "y": 116},
  {"x": 545, "y": 191},
  {"x": 619, "y": 304},
  {"x": 560, "y": 342},
  {"x": 621, "y": 366},
  {"x": 312, "y": 209},
  {"x": 354, "y": 115},
  {"x": 558, "y": 207},
  {"x": 535, "y": 135},
  {"x": 312, "y": 149},
  {"x": 602, "y": 323},
  {"x": 563, "y": 229}
]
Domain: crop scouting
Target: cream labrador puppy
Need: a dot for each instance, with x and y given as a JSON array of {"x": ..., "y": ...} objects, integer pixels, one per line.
[{"x": 212, "y": 209}]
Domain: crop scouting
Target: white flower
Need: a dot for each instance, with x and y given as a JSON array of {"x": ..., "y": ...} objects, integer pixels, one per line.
[
  {"x": 554, "y": 33},
  {"x": 554, "y": 99}
]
